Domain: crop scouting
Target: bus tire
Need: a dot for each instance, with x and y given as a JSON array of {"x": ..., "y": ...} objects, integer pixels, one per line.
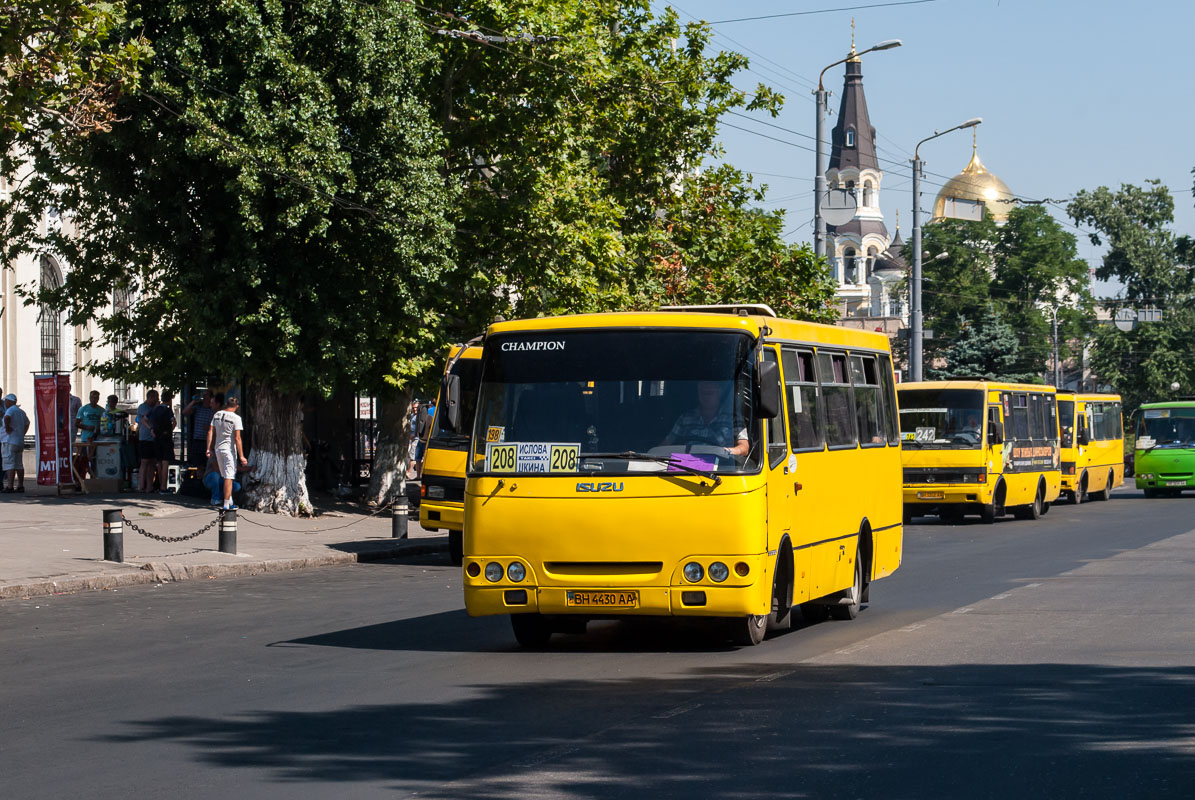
[
  {"x": 851, "y": 610},
  {"x": 531, "y": 630},
  {"x": 1033, "y": 510},
  {"x": 456, "y": 547},
  {"x": 1080, "y": 492},
  {"x": 994, "y": 509},
  {"x": 1106, "y": 492},
  {"x": 782, "y": 590},
  {"x": 748, "y": 631}
]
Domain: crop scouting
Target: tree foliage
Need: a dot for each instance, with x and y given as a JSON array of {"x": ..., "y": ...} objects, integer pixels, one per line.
[
  {"x": 64, "y": 65},
  {"x": 1151, "y": 263},
  {"x": 987, "y": 348},
  {"x": 1022, "y": 270},
  {"x": 274, "y": 206},
  {"x": 580, "y": 150}
]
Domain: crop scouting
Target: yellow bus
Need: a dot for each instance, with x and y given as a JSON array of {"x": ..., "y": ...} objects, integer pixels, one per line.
[
  {"x": 442, "y": 488},
  {"x": 1092, "y": 436},
  {"x": 979, "y": 447},
  {"x": 712, "y": 462}
]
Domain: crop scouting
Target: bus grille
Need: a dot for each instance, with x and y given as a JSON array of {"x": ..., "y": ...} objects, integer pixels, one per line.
[{"x": 566, "y": 569}]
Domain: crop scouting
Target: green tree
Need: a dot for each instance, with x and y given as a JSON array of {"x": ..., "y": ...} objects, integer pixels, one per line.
[
  {"x": 1146, "y": 256},
  {"x": 713, "y": 247},
  {"x": 988, "y": 348},
  {"x": 274, "y": 206},
  {"x": 579, "y": 147},
  {"x": 65, "y": 63},
  {"x": 956, "y": 275},
  {"x": 1038, "y": 272}
]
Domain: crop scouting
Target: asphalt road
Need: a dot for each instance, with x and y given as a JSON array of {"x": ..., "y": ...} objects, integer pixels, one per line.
[{"x": 1032, "y": 659}]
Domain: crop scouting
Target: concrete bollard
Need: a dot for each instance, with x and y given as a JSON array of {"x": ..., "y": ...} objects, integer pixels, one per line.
[
  {"x": 398, "y": 519},
  {"x": 228, "y": 532},
  {"x": 113, "y": 536}
]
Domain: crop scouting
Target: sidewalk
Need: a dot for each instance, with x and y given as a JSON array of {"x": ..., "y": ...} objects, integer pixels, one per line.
[{"x": 51, "y": 545}]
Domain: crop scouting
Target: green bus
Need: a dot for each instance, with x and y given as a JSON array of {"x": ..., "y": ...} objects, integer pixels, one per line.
[{"x": 1164, "y": 457}]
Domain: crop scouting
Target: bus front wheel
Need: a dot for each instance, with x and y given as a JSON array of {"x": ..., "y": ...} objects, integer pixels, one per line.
[
  {"x": 748, "y": 631},
  {"x": 994, "y": 509},
  {"x": 531, "y": 630}
]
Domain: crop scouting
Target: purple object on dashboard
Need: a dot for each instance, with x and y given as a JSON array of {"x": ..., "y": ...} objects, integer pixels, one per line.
[{"x": 691, "y": 461}]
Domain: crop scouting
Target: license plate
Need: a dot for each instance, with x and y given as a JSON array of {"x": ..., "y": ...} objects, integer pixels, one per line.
[
  {"x": 1176, "y": 483},
  {"x": 930, "y": 495},
  {"x": 586, "y": 599}
]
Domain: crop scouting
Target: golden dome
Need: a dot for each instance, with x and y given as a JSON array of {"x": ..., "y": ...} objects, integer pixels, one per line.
[{"x": 976, "y": 183}]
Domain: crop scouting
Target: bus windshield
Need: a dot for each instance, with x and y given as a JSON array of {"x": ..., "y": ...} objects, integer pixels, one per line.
[
  {"x": 655, "y": 400},
  {"x": 945, "y": 419},
  {"x": 469, "y": 371},
  {"x": 1166, "y": 427}
]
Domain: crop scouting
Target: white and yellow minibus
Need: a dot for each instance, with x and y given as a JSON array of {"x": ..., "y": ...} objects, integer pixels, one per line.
[
  {"x": 716, "y": 462},
  {"x": 442, "y": 481},
  {"x": 1092, "y": 437},
  {"x": 979, "y": 447}
]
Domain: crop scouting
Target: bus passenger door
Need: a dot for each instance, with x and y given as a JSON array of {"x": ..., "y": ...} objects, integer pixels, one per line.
[
  {"x": 779, "y": 492},
  {"x": 808, "y": 486}
]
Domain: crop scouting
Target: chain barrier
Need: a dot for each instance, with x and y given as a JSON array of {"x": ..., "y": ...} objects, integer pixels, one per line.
[{"x": 173, "y": 539}]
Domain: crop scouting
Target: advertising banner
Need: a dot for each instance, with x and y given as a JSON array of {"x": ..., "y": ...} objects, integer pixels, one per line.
[
  {"x": 45, "y": 416},
  {"x": 51, "y": 415}
]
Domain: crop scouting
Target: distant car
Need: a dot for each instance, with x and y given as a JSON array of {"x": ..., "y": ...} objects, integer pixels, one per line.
[{"x": 1128, "y": 465}]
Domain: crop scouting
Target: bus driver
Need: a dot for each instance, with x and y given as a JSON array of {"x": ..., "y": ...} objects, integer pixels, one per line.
[{"x": 709, "y": 423}]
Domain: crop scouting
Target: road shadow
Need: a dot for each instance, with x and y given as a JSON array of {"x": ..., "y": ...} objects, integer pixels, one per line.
[{"x": 739, "y": 731}]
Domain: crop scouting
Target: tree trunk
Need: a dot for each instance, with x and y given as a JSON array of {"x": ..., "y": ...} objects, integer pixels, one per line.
[
  {"x": 278, "y": 483},
  {"x": 388, "y": 478}
]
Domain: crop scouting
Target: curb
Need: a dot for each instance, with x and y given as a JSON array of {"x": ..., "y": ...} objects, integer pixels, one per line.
[{"x": 161, "y": 572}]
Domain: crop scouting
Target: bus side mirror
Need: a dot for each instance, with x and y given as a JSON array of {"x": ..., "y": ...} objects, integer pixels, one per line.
[
  {"x": 450, "y": 390},
  {"x": 1083, "y": 437},
  {"x": 995, "y": 435},
  {"x": 768, "y": 404}
]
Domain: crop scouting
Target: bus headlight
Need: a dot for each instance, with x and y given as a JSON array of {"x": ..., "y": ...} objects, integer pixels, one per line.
[
  {"x": 693, "y": 572},
  {"x": 516, "y": 572},
  {"x": 435, "y": 492},
  {"x": 719, "y": 572},
  {"x": 493, "y": 572}
]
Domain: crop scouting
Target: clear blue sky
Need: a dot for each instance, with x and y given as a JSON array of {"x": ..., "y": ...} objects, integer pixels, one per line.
[{"x": 1074, "y": 94}]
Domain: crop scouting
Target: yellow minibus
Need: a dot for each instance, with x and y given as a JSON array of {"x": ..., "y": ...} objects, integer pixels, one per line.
[
  {"x": 1092, "y": 437},
  {"x": 442, "y": 489},
  {"x": 979, "y": 447},
  {"x": 713, "y": 462}
]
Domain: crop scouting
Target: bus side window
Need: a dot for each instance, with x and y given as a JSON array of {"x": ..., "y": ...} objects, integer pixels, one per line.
[
  {"x": 891, "y": 421},
  {"x": 777, "y": 446},
  {"x": 1020, "y": 416},
  {"x": 1051, "y": 418},
  {"x": 1037, "y": 422},
  {"x": 806, "y": 430},
  {"x": 1097, "y": 421},
  {"x": 1119, "y": 428},
  {"x": 836, "y": 391},
  {"x": 867, "y": 400}
]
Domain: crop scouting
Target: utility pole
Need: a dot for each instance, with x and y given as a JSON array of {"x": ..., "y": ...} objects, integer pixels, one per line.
[{"x": 1057, "y": 365}]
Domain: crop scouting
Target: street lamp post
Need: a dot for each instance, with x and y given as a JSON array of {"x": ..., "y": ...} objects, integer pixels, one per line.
[
  {"x": 819, "y": 176},
  {"x": 916, "y": 322}
]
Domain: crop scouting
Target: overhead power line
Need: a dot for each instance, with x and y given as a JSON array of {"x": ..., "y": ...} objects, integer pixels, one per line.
[{"x": 822, "y": 11}]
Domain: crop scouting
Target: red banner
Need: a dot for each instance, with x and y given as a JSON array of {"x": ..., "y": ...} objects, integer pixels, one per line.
[{"x": 52, "y": 403}]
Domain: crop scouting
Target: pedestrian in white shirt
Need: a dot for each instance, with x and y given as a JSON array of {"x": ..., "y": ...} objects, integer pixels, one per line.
[
  {"x": 224, "y": 443},
  {"x": 12, "y": 443}
]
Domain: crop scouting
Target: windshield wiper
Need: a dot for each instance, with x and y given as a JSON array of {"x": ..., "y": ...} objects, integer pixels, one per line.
[{"x": 631, "y": 455}]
